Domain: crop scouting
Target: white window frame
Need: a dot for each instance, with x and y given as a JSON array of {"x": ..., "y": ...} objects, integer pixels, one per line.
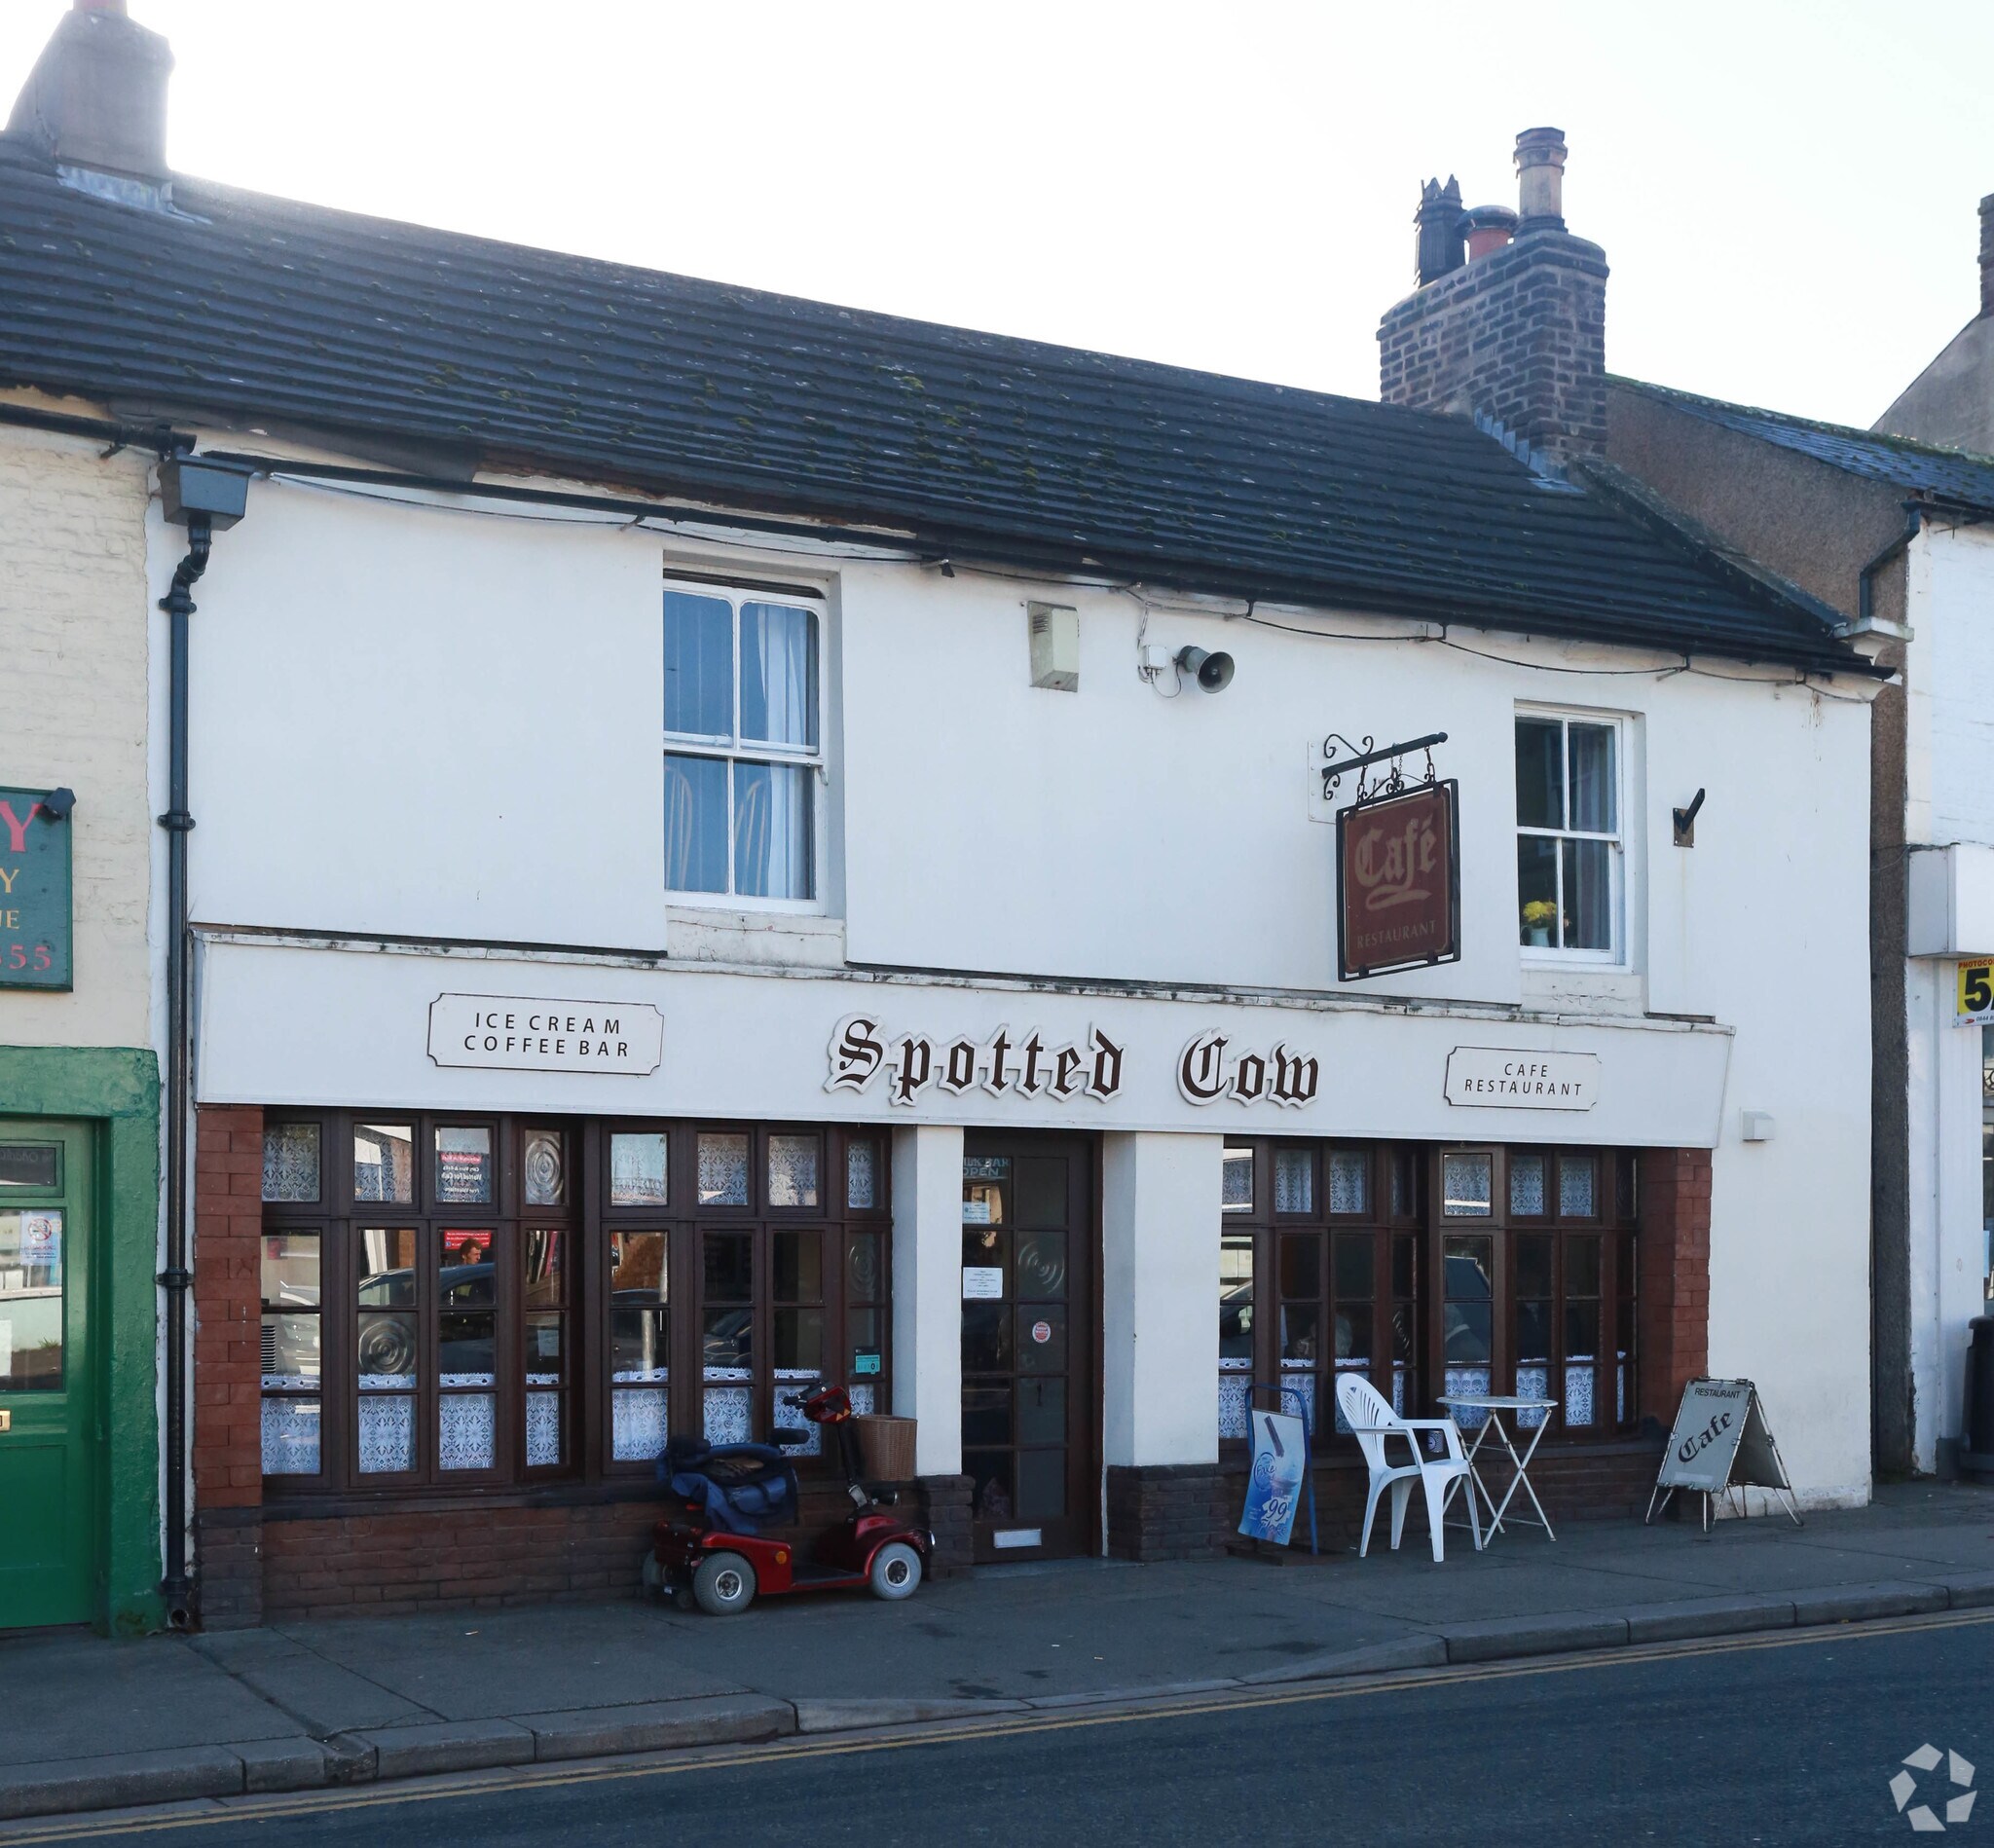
[
  {"x": 742, "y": 750},
  {"x": 1565, "y": 717}
]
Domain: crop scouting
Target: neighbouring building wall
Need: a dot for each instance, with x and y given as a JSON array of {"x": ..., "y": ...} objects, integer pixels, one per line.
[
  {"x": 1818, "y": 527},
  {"x": 73, "y": 643},
  {"x": 1951, "y": 402},
  {"x": 1949, "y": 802},
  {"x": 75, "y": 706}
]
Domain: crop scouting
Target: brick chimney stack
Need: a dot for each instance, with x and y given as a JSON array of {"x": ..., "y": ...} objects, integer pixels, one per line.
[
  {"x": 1517, "y": 333},
  {"x": 97, "y": 97}
]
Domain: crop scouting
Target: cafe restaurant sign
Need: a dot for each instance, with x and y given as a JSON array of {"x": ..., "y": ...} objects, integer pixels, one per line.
[
  {"x": 504, "y": 1033},
  {"x": 1398, "y": 882},
  {"x": 1505, "y": 1079},
  {"x": 35, "y": 906}
]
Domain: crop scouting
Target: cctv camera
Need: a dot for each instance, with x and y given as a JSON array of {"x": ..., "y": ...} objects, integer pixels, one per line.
[{"x": 1212, "y": 672}]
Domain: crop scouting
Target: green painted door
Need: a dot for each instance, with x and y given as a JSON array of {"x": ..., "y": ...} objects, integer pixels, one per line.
[{"x": 47, "y": 1426}]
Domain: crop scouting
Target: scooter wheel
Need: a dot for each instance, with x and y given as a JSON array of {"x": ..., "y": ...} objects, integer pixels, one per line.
[
  {"x": 895, "y": 1571},
  {"x": 653, "y": 1575},
  {"x": 724, "y": 1583},
  {"x": 683, "y": 1598}
]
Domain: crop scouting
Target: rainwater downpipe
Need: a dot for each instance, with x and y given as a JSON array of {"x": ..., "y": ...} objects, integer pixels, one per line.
[{"x": 203, "y": 498}]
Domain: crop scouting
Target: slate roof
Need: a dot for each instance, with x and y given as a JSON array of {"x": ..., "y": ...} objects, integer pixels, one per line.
[
  {"x": 263, "y": 311},
  {"x": 1953, "y": 475}
]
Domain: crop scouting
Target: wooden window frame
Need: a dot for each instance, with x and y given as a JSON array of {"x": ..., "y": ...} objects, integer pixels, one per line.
[
  {"x": 736, "y": 748},
  {"x": 1268, "y": 1226},
  {"x": 585, "y": 1221},
  {"x": 1615, "y": 1220},
  {"x": 1617, "y": 955},
  {"x": 1412, "y": 1223}
]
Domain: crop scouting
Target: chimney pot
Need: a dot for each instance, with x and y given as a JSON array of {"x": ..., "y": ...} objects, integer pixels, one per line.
[
  {"x": 1437, "y": 233},
  {"x": 1486, "y": 228},
  {"x": 1987, "y": 254},
  {"x": 97, "y": 97},
  {"x": 1540, "y": 179}
]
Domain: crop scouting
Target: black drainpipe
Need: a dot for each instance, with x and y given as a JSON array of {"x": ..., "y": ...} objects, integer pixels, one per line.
[{"x": 201, "y": 497}]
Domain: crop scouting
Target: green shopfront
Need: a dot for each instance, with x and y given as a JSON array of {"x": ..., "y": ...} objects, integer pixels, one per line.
[{"x": 80, "y": 1539}]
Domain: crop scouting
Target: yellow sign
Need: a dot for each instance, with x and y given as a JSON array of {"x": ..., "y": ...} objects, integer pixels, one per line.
[{"x": 1973, "y": 998}]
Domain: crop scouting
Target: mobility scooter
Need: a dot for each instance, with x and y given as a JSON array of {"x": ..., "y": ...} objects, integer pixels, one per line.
[{"x": 714, "y": 1555}]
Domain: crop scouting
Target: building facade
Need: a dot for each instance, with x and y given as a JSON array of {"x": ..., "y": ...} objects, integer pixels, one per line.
[
  {"x": 79, "y": 1072},
  {"x": 717, "y": 867}
]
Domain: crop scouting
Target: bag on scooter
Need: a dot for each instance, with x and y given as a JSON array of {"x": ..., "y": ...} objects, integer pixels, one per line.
[{"x": 742, "y": 1487}]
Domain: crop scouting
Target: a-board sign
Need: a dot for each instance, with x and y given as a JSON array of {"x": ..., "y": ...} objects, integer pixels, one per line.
[
  {"x": 1710, "y": 1426},
  {"x": 1720, "y": 1441},
  {"x": 1280, "y": 1454}
]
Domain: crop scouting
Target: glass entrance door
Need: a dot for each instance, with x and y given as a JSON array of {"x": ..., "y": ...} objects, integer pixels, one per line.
[
  {"x": 48, "y": 1456},
  {"x": 1029, "y": 1410}
]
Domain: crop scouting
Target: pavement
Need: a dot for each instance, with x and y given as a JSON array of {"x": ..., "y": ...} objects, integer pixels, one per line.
[
  {"x": 94, "y": 1724},
  {"x": 1829, "y": 1734}
]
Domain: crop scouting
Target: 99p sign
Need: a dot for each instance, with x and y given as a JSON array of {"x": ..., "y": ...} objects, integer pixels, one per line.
[{"x": 1973, "y": 994}]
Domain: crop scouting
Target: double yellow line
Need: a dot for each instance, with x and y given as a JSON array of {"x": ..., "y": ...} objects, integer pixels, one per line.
[{"x": 218, "y": 1811}]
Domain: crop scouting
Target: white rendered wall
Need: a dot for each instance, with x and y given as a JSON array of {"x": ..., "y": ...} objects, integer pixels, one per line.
[
  {"x": 927, "y": 1293},
  {"x": 1160, "y": 1264},
  {"x": 1950, "y": 798},
  {"x": 1952, "y": 668},
  {"x": 1945, "y": 1203},
  {"x": 424, "y": 723}
]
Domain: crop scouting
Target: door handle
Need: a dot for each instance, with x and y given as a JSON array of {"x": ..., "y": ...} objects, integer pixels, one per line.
[{"x": 6, "y": 1420}]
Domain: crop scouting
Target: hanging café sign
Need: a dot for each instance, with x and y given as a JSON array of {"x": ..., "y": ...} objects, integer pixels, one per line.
[{"x": 1397, "y": 864}]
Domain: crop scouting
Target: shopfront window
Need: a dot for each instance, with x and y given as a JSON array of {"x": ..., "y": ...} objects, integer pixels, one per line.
[
  {"x": 1315, "y": 1281},
  {"x": 473, "y": 1303},
  {"x": 1456, "y": 1271}
]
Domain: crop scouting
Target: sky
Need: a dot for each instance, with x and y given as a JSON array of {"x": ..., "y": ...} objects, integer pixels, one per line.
[{"x": 1787, "y": 192}]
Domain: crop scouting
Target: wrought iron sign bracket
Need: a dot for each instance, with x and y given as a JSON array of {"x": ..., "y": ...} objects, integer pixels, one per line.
[{"x": 1336, "y": 769}]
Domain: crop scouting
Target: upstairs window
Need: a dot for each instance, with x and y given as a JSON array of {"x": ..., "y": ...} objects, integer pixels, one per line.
[
  {"x": 743, "y": 729},
  {"x": 1568, "y": 864}
]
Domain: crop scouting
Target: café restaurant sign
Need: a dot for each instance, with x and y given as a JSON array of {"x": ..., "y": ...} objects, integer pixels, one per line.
[
  {"x": 1398, "y": 882},
  {"x": 35, "y": 905},
  {"x": 1505, "y": 1079},
  {"x": 504, "y": 1033}
]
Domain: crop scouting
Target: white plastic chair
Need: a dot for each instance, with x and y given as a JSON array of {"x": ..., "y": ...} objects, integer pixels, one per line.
[{"x": 1370, "y": 1416}]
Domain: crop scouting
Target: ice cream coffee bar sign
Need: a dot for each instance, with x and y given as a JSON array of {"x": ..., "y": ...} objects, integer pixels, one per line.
[
  {"x": 504, "y": 1033},
  {"x": 1502, "y": 1079}
]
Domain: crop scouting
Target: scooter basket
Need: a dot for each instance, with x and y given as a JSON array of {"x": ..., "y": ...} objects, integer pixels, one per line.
[{"x": 886, "y": 1446}]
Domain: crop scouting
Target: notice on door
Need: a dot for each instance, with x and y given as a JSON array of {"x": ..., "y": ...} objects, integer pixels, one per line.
[{"x": 504, "y": 1033}]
